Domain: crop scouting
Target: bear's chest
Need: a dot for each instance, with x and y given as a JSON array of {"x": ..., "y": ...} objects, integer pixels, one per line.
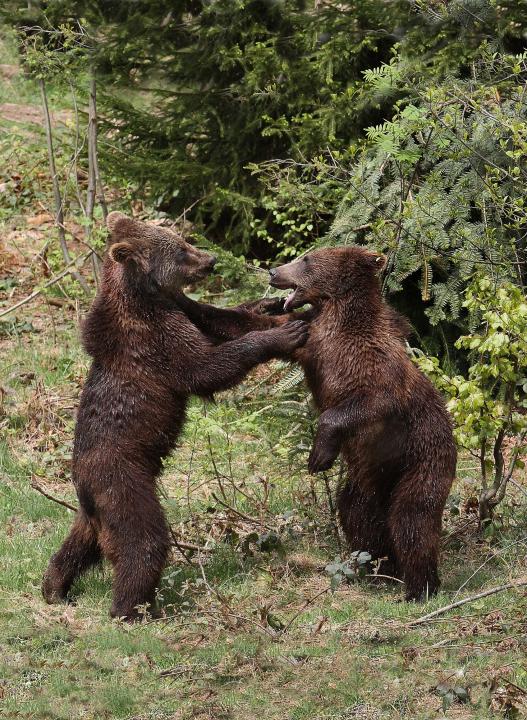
[{"x": 336, "y": 364}]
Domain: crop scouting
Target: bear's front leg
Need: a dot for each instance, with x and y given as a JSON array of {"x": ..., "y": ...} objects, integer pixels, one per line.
[
  {"x": 326, "y": 446},
  {"x": 224, "y": 324},
  {"x": 336, "y": 422},
  {"x": 264, "y": 306}
]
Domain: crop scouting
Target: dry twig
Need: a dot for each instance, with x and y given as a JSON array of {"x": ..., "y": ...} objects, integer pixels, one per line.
[
  {"x": 40, "y": 489},
  {"x": 182, "y": 546},
  {"x": 478, "y": 596},
  {"x": 53, "y": 281},
  {"x": 307, "y": 603},
  {"x": 250, "y": 519},
  {"x": 59, "y": 218}
]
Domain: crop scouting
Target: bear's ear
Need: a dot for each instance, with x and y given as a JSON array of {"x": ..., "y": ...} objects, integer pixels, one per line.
[
  {"x": 377, "y": 260},
  {"x": 380, "y": 261},
  {"x": 114, "y": 219},
  {"x": 121, "y": 252}
]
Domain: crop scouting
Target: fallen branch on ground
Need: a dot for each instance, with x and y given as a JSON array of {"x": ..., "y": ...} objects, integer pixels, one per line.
[
  {"x": 491, "y": 557},
  {"x": 509, "y": 682},
  {"x": 181, "y": 546},
  {"x": 60, "y": 302},
  {"x": 67, "y": 271},
  {"x": 304, "y": 607},
  {"x": 40, "y": 489},
  {"x": 191, "y": 546},
  {"x": 486, "y": 593},
  {"x": 385, "y": 577},
  {"x": 240, "y": 514},
  {"x": 518, "y": 486}
]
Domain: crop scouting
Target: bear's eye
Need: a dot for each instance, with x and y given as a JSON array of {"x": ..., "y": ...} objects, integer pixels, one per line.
[{"x": 305, "y": 259}]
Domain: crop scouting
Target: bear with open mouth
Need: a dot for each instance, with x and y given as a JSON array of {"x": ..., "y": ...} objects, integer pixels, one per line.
[{"x": 377, "y": 409}]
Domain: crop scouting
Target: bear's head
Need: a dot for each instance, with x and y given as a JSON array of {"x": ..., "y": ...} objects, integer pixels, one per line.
[
  {"x": 327, "y": 274},
  {"x": 154, "y": 259}
]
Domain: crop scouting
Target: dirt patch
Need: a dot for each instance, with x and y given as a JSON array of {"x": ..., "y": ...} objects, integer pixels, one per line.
[
  {"x": 31, "y": 114},
  {"x": 7, "y": 72},
  {"x": 10, "y": 262}
]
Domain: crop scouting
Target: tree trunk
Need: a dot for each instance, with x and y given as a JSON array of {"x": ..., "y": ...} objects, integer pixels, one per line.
[
  {"x": 99, "y": 188},
  {"x": 59, "y": 212},
  {"x": 486, "y": 509},
  {"x": 92, "y": 180}
]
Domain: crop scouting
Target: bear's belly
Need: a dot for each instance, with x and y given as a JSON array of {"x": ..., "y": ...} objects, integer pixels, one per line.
[
  {"x": 127, "y": 418},
  {"x": 376, "y": 453}
]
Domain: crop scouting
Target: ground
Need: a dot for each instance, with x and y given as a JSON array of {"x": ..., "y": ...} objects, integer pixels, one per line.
[{"x": 251, "y": 619}]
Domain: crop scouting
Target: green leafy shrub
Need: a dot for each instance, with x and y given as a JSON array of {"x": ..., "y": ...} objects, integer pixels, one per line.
[
  {"x": 194, "y": 93},
  {"x": 488, "y": 403},
  {"x": 439, "y": 188},
  {"x": 357, "y": 567}
]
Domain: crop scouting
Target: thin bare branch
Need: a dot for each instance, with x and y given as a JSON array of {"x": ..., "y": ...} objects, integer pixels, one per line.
[
  {"x": 308, "y": 602},
  {"x": 77, "y": 149},
  {"x": 59, "y": 217},
  {"x": 99, "y": 187},
  {"x": 240, "y": 514},
  {"x": 92, "y": 180},
  {"x": 40, "y": 489},
  {"x": 478, "y": 596},
  {"x": 495, "y": 554},
  {"x": 67, "y": 271}
]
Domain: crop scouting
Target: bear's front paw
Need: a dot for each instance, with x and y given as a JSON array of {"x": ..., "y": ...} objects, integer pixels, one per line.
[
  {"x": 267, "y": 306},
  {"x": 321, "y": 458},
  {"x": 54, "y": 588},
  {"x": 291, "y": 336}
]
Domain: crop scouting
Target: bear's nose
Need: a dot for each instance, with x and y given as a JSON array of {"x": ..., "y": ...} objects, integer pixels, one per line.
[
  {"x": 272, "y": 272},
  {"x": 213, "y": 260}
]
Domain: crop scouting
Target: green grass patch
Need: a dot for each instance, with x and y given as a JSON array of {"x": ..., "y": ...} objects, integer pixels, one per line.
[{"x": 222, "y": 651}]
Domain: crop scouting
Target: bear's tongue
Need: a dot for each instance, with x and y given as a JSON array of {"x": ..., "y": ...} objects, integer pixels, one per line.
[{"x": 289, "y": 299}]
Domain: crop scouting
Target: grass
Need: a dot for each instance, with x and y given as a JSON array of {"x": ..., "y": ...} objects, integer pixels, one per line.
[{"x": 251, "y": 623}]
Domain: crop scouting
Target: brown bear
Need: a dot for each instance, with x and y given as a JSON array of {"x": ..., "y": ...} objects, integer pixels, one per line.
[
  {"x": 378, "y": 409},
  {"x": 148, "y": 358}
]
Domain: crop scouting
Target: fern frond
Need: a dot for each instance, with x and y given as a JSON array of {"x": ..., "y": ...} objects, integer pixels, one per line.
[
  {"x": 290, "y": 380},
  {"x": 426, "y": 281}
]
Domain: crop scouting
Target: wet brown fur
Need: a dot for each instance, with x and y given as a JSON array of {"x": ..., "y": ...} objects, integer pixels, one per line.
[
  {"x": 148, "y": 358},
  {"x": 378, "y": 410}
]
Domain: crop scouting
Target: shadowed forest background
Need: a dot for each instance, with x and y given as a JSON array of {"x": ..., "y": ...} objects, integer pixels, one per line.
[{"x": 261, "y": 130}]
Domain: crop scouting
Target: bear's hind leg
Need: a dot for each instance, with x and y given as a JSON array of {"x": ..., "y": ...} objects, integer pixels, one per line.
[
  {"x": 362, "y": 516},
  {"x": 137, "y": 542},
  {"x": 79, "y": 551},
  {"x": 415, "y": 529}
]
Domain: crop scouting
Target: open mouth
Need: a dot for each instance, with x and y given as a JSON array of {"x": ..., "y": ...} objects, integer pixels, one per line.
[
  {"x": 290, "y": 299},
  {"x": 293, "y": 299},
  {"x": 203, "y": 273}
]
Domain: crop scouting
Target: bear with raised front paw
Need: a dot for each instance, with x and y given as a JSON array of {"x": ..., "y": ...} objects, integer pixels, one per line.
[
  {"x": 377, "y": 409},
  {"x": 148, "y": 358}
]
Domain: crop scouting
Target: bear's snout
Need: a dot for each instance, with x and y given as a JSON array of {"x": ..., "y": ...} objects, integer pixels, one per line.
[{"x": 281, "y": 277}]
